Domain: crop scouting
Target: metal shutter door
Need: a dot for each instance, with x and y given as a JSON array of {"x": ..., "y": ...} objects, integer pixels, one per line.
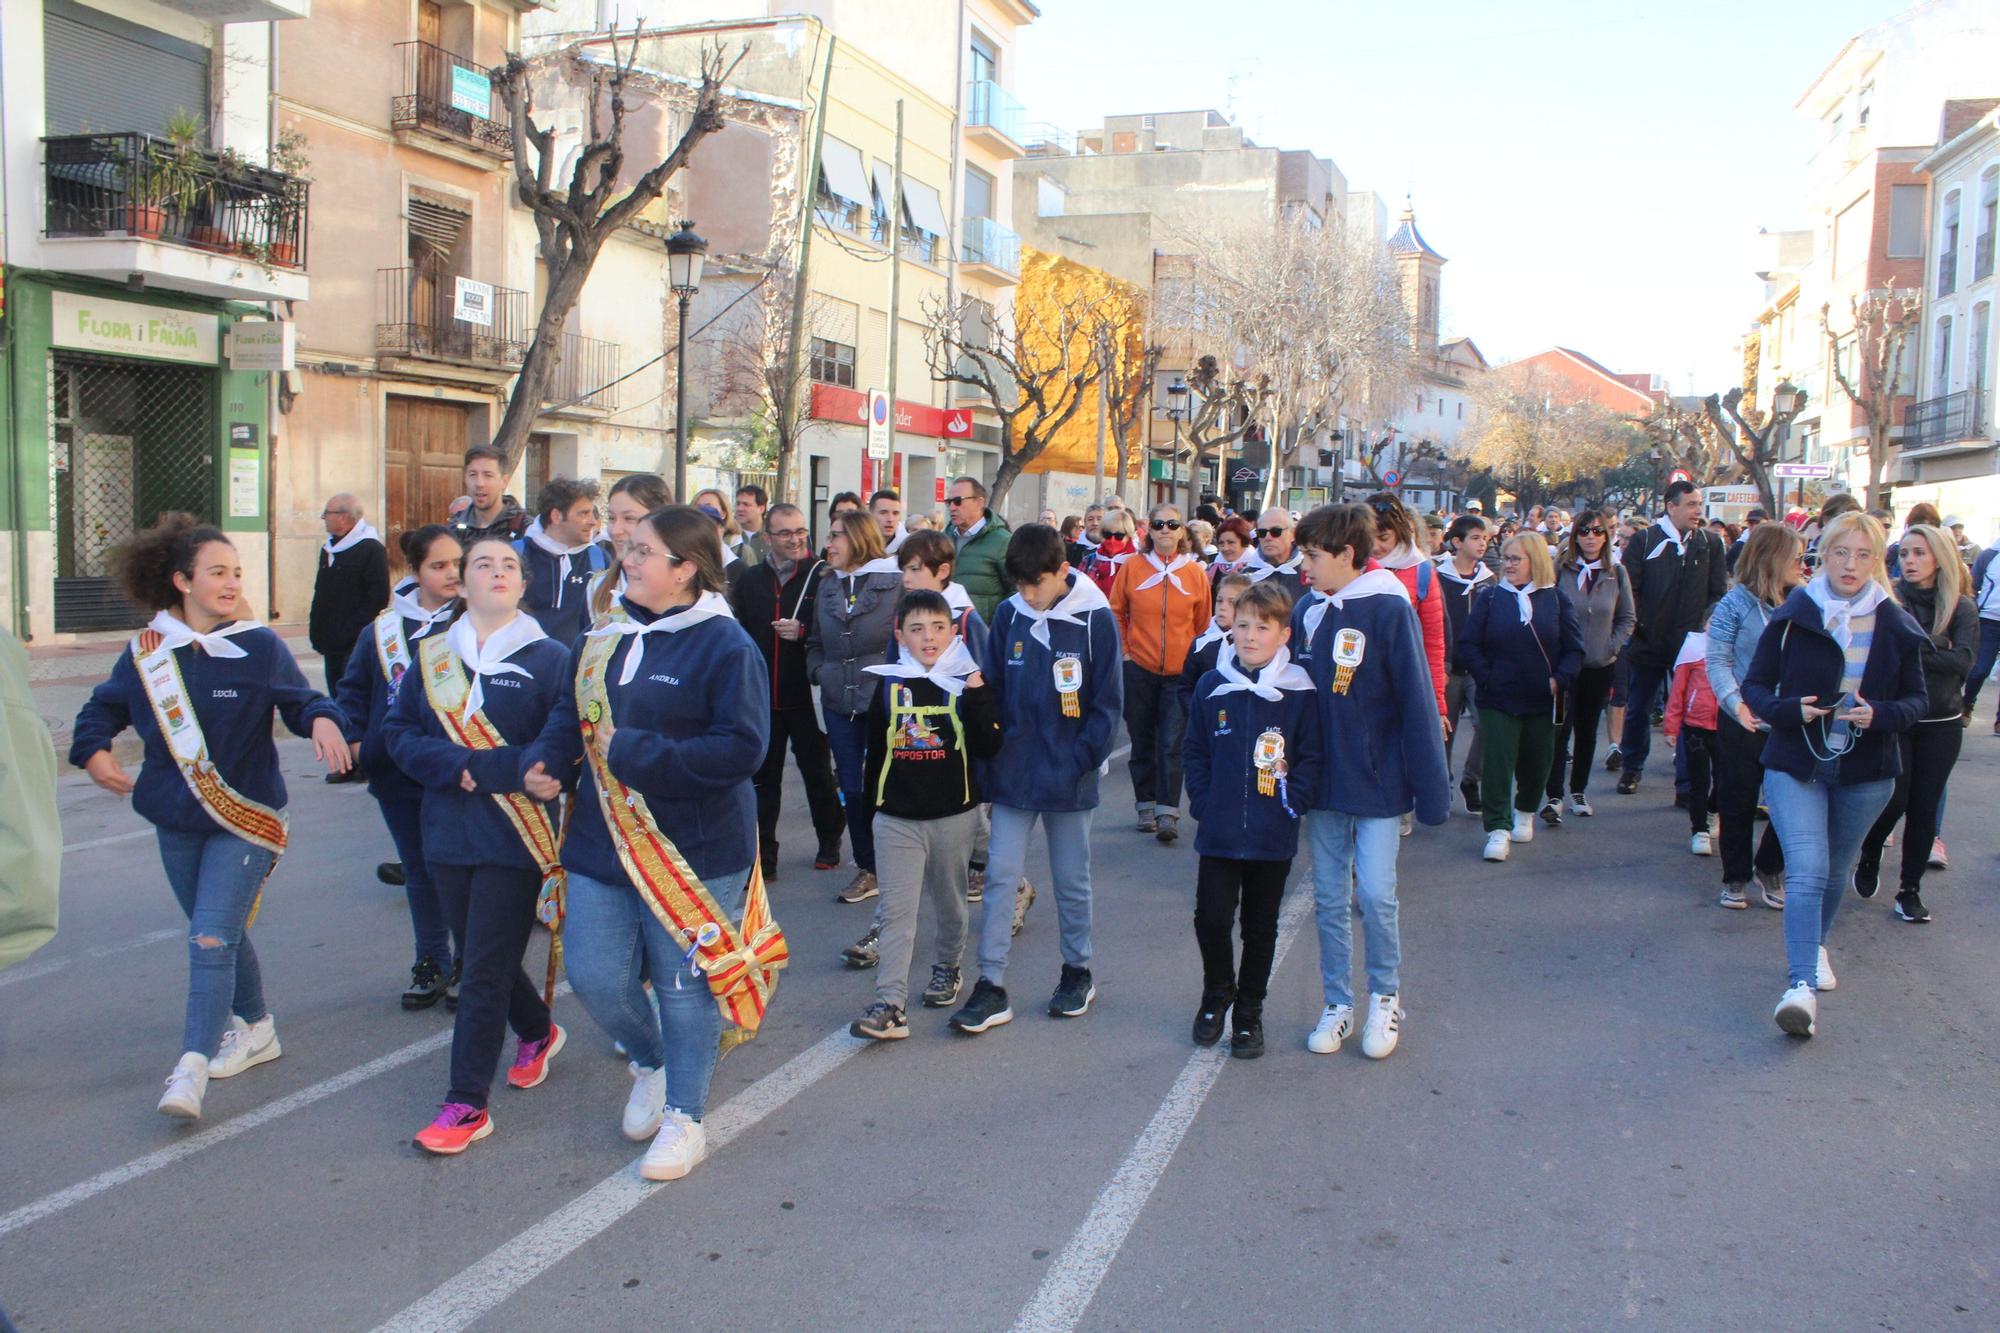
[{"x": 105, "y": 81}]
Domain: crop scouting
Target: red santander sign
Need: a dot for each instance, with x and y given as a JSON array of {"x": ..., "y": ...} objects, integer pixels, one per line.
[{"x": 830, "y": 402}]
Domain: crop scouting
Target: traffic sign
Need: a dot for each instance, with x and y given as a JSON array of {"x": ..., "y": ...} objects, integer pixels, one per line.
[
  {"x": 1392, "y": 478},
  {"x": 1679, "y": 474},
  {"x": 1802, "y": 470},
  {"x": 878, "y": 425}
]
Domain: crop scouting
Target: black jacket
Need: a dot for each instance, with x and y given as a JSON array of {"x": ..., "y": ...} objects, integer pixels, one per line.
[
  {"x": 511, "y": 524},
  {"x": 1672, "y": 594},
  {"x": 348, "y": 593},
  {"x": 929, "y": 753},
  {"x": 758, "y": 600},
  {"x": 1947, "y": 656}
]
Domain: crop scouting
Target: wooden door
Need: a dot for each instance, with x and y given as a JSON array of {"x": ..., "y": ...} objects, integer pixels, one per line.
[
  {"x": 430, "y": 22},
  {"x": 424, "y": 463}
]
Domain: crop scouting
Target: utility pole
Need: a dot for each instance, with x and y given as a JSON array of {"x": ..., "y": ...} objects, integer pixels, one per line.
[{"x": 895, "y": 294}]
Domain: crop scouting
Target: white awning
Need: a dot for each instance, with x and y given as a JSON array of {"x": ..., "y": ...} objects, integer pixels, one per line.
[
  {"x": 926, "y": 209},
  {"x": 840, "y": 164},
  {"x": 885, "y": 181}
]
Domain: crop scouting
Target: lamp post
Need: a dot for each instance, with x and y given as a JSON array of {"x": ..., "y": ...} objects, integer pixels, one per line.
[
  {"x": 1787, "y": 401},
  {"x": 684, "y": 257},
  {"x": 1177, "y": 395}
]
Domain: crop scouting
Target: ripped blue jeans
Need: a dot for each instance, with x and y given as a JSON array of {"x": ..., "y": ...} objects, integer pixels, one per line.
[{"x": 215, "y": 876}]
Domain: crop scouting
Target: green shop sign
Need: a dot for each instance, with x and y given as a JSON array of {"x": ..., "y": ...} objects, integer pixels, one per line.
[{"x": 127, "y": 328}]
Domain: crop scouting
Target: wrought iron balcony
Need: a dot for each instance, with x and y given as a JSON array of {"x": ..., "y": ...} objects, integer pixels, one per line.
[
  {"x": 424, "y": 314},
  {"x": 1952, "y": 419},
  {"x": 152, "y": 189},
  {"x": 994, "y": 117},
  {"x": 984, "y": 241},
  {"x": 448, "y": 95},
  {"x": 583, "y": 378}
]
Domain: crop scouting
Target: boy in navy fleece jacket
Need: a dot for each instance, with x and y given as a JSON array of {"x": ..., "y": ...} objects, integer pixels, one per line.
[
  {"x": 1358, "y": 636},
  {"x": 1054, "y": 665},
  {"x": 1253, "y": 765}
]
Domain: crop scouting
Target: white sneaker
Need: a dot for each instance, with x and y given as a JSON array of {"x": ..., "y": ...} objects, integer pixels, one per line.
[
  {"x": 244, "y": 1045},
  {"x": 1825, "y": 980},
  {"x": 647, "y": 1106},
  {"x": 1378, "y": 1038},
  {"x": 1797, "y": 1010},
  {"x": 1579, "y": 804},
  {"x": 1524, "y": 827},
  {"x": 1496, "y": 845},
  {"x": 185, "y": 1086},
  {"x": 1702, "y": 844},
  {"x": 1336, "y": 1024},
  {"x": 677, "y": 1149}
]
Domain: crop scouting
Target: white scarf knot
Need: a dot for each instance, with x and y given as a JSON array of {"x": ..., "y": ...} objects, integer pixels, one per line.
[
  {"x": 1372, "y": 583},
  {"x": 559, "y": 551},
  {"x": 409, "y": 608},
  {"x": 1165, "y": 573},
  {"x": 706, "y": 607},
  {"x": 176, "y": 633},
  {"x": 1586, "y": 572},
  {"x": 1675, "y": 538},
  {"x": 1083, "y": 597},
  {"x": 1836, "y": 613},
  {"x": 948, "y": 673},
  {"x": 1259, "y": 569},
  {"x": 1209, "y": 635},
  {"x": 490, "y": 658},
  {"x": 360, "y": 532},
  {"x": 1278, "y": 675}
]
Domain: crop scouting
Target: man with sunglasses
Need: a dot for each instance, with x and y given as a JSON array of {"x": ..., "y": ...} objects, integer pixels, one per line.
[
  {"x": 981, "y": 539},
  {"x": 1277, "y": 555}
]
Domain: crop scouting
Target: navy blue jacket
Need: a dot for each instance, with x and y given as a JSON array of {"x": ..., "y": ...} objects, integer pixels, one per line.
[
  {"x": 1384, "y": 744},
  {"x": 1236, "y": 821},
  {"x": 1796, "y": 657},
  {"x": 564, "y": 623},
  {"x": 1200, "y": 661},
  {"x": 363, "y": 696},
  {"x": 1048, "y": 761},
  {"x": 468, "y": 828},
  {"x": 1510, "y": 665},
  {"x": 690, "y": 730},
  {"x": 233, "y": 698}
]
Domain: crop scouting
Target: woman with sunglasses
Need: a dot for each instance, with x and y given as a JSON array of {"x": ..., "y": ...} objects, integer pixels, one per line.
[
  {"x": 1839, "y": 675},
  {"x": 1598, "y": 587},
  {"x": 1397, "y": 551},
  {"x": 1771, "y": 564},
  {"x": 1160, "y": 598}
]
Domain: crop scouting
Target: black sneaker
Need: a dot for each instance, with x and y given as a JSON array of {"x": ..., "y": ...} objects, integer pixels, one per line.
[
  {"x": 390, "y": 873},
  {"x": 1209, "y": 1019},
  {"x": 1073, "y": 993},
  {"x": 864, "y": 952},
  {"x": 943, "y": 989},
  {"x": 1246, "y": 1040},
  {"x": 1552, "y": 811},
  {"x": 1627, "y": 783},
  {"x": 1867, "y": 876},
  {"x": 1910, "y": 906},
  {"x": 1614, "y": 761},
  {"x": 1470, "y": 791},
  {"x": 986, "y": 1009},
  {"x": 451, "y": 990},
  {"x": 1680, "y": 800},
  {"x": 881, "y": 1022},
  {"x": 426, "y": 985}
]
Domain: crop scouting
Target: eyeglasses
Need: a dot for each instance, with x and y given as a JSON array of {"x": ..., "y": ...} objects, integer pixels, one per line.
[
  {"x": 1165, "y": 524},
  {"x": 643, "y": 553},
  {"x": 957, "y": 500},
  {"x": 1590, "y": 532},
  {"x": 1269, "y": 532},
  {"x": 784, "y": 534},
  {"x": 1514, "y": 558}
]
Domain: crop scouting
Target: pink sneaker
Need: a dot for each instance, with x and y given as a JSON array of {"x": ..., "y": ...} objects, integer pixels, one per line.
[
  {"x": 1939, "y": 858},
  {"x": 531, "y": 1058},
  {"x": 456, "y": 1128}
]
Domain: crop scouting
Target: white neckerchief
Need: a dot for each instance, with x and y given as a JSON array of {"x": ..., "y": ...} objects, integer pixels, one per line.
[
  {"x": 1083, "y": 597},
  {"x": 1836, "y": 613},
  {"x": 1694, "y": 648},
  {"x": 491, "y": 659},
  {"x": 360, "y": 532},
  {"x": 729, "y": 556},
  {"x": 1523, "y": 599},
  {"x": 957, "y": 598},
  {"x": 895, "y": 543},
  {"x": 1279, "y": 674},
  {"x": 1586, "y": 574},
  {"x": 1675, "y": 537},
  {"x": 409, "y": 608},
  {"x": 1372, "y": 583},
  {"x": 706, "y": 607},
  {"x": 948, "y": 673},
  {"x": 176, "y": 633},
  {"x": 1481, "y": 572},
  {"x": 1403, "y": 557},
  {"x": 560, "y": 552},
  {"x": 1165, "y": 573},
  {"x": 1209, "y": 635},
  {"x": 1260, "y": 569}
]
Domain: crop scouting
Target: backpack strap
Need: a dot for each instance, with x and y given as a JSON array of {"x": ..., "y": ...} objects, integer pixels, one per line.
[{"x": 1424, "y": 571}]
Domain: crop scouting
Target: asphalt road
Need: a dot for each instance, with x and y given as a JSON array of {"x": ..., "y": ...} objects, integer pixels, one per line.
[{"x": 1591, "y": 1121}]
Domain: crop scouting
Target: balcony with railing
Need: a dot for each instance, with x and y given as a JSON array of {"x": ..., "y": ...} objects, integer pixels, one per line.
[
  {"x": 1953, "y": 419},
  {"x": 429, "y": 313},
  {"x": 1947, "y": 280},
  {"x": 448, "y": 96},
  {"x": 989, "y": 250},
  {"x": 182, "y": 217},
  {"x": 583, "y": 378},
  {"x": 993, "y": 118}
]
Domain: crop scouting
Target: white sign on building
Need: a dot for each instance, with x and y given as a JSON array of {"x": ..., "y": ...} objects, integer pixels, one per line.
[{"x": 472, "y": 302}]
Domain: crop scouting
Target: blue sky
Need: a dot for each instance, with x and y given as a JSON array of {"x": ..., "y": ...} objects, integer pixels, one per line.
[{"x": 1595, "y": 170}]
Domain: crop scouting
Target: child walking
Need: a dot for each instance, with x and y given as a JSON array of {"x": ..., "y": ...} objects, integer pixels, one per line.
[
  {"x": 1690, "y": 728},
  {"x": 1253, "y": 764}
]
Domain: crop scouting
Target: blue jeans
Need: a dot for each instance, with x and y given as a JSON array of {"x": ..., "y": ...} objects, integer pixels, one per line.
[
  {"x": 1982, "y": 663},
  {"x": 406, "y": 830},
  {"x": 216, "y": 877},
  {"x": 1821, "y": 828},
  {"x": 608, "y": 936},
  {"x": 1642, "y": 690},
  {"x": 1069, "y": 864},
  {"x": 849, "y": 737},
  {"x": 1158, "y": 727},
  {"x": 1355, "y": 858}
]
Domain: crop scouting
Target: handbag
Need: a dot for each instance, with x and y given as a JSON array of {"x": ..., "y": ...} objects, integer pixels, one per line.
[{"x": 1559, "y": 710}]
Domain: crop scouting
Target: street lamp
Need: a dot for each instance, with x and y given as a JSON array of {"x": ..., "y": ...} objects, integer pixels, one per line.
[
  {"x": 1177, "y": 394},
  {"x": 684, "y": 255},
  {"x": 1787, "y": 401}
]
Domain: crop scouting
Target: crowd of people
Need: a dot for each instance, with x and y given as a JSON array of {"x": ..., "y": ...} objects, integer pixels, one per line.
[{"x": 595, "y": 741}]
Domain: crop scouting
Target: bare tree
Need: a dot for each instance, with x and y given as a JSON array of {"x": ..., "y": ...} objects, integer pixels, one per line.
[
  {"x": 1126, "y": 381},
  {"x": 1034, "y": 366},
  {"x": 759, "y": 371},
  {"x": 1751, "y": 438},
  {"x": 574, "y": 219},
  {"x": 1537, "y": 438},
  {"x": 1224, "y": 410},
  {"x": 1882, "y": 324}
]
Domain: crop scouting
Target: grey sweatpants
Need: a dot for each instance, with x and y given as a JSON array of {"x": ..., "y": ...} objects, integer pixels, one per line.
[{"x": 915, "y": 858}]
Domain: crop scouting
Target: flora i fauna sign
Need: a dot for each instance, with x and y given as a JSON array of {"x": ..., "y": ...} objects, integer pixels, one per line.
[{"x": 127, "y": 328}]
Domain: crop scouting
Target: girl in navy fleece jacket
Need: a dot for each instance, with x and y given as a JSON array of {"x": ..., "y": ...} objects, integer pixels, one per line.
[{"x": 233, "y": 673}]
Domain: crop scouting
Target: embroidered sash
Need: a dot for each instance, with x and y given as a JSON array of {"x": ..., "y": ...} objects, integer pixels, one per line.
[
  {"x": 392, "y": 649},
  {"x": 446, "y": 685},
  {"x": 740, "y": 961}
]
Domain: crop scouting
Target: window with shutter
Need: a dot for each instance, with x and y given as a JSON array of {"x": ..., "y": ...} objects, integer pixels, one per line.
[{"x": 106, "y": 75}]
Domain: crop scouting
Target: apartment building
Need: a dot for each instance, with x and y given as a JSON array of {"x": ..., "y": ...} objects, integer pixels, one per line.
[{"x": 152, "y": 241}]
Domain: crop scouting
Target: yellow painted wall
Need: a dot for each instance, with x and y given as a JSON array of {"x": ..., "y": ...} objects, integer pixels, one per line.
[{"x": 1047, "y": 281}]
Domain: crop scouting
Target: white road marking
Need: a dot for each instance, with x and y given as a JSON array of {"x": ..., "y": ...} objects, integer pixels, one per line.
[
  {"x": 1072, "y": 1281},
  {"x": 106, "y": 842},
  {"x": 33, "y": 971},
  {"x": 175, "y": 933},
  {"x": 61, "y": 1200},
  {"x": 36, "y": 971},
  {"x": 533, "y": 1252}
]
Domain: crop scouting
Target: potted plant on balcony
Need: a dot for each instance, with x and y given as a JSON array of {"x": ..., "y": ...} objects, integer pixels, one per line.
[
  {"x": 289, "y": 155},
  {"x": 176, "y": 177}
]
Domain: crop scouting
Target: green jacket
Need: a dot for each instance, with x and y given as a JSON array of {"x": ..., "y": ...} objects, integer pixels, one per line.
[
  {"x": 30, "y": 835},
  {"x": 979, "y": 568}
]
